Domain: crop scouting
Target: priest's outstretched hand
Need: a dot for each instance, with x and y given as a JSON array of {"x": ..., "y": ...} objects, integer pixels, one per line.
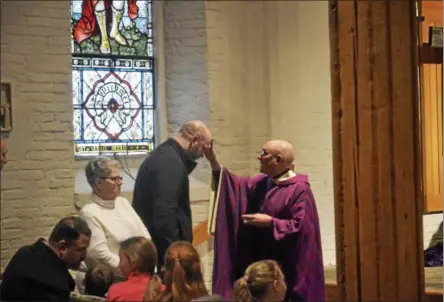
[
  {"x": 258, "y": 220},
  {"x": 211, "y": 156}
]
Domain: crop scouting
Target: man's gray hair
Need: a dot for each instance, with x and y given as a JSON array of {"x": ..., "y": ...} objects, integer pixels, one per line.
[{"x": 99, "y": 167}]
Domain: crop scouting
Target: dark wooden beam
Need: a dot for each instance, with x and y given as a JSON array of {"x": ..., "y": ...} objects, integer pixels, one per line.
[
  {"x": 377, "y": 171},
  {"x": 431, "y": 55}
]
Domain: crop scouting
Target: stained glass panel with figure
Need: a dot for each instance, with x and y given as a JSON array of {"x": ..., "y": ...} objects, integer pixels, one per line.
[
  {"x": 113, "y": 77},
  {"x": 112, "y": 27}
]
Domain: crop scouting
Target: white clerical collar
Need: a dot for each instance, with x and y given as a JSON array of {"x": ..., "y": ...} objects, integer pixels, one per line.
[
  {"x": 289, "y": 174},
  {"x": 108, "y": 204}
]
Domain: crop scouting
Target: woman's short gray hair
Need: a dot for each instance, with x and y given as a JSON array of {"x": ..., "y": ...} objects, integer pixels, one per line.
[{"x": 99, "y": 167}]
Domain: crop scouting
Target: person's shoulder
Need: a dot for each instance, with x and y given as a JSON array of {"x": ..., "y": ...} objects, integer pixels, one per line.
[
  {"x": 162, "y": 155},
  {"x": 164, "y": 149},
  {"x": 302, "y": 178},
  {"x": 166, "y": 164},
  {"x": 300, "y": 187},
  {"x": 22, "y": 253},
  {"x": 89, "y": 210},
  {"x": 297, "y": 181},
  {"x": 117, "y": 289},
  {"x": 25, "y": 257},
  {"x": 122, "y": 202},
  {"x": 25, "y": 248}
]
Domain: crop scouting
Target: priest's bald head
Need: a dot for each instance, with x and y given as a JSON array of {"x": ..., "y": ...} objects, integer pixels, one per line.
[
  {"x": 276, "y": 157},
  {"x": 194, "y": 136}
]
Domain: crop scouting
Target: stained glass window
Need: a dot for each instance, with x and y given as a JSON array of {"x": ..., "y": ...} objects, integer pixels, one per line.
[{"x": 113, "y": 77}]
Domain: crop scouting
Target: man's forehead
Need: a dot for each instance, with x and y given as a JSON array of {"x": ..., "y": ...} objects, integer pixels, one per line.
[
  {"x": 268, "y": 146},
  {"x": 206, "y": 136}
]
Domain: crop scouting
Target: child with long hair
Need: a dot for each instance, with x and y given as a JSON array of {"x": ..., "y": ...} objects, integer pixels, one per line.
[
  {"x": 263, "y": 281},
  {"x": 138, "y": 259},
  {"x": 183, "y": 276}
]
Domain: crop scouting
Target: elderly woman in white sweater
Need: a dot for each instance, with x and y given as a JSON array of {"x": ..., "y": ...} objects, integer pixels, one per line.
[{"x": 110, "y": 217}]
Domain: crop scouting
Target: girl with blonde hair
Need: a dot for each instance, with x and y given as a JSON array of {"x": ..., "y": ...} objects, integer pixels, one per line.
[
  {"x": 263, "y": 281},
  {"x": 183, "y": 276},
  {"x": 138, "y": 259}
]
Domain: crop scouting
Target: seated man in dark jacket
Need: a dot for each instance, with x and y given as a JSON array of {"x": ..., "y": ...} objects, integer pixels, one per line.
[{"x": 39, "y": 272}]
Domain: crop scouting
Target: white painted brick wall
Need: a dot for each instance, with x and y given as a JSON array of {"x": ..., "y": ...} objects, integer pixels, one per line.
[
  {"x": 431, "y": 229},
  {"x": 37, "y": 185},
  {"x": 185, "y": 49},
  {"x": 300, "y": 109},
  {"x": 237, "y": 80}
]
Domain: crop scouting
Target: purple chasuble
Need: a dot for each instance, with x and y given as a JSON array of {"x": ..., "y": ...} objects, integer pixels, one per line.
[{"x": 294, "y": 239}]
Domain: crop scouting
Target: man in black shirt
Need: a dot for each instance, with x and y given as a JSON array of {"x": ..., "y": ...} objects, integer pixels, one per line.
[
  {"x": 161, "y": 192},
  {"x": 39, "y": 272}
]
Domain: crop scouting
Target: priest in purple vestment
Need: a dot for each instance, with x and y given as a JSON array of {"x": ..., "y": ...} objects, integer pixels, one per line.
[{"x": 269, "y": 216}]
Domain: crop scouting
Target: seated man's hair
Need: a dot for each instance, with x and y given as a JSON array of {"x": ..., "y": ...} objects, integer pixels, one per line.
[
  {"x": 69, "y": 229},
  {"x": 98, "y": 280}
]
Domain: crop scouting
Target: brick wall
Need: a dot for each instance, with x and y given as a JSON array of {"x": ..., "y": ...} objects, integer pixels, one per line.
[
  {"x": 237, "y": 79},
  {"x": 37, "y": 186},
  {"x": 300, "y": 93},
  {"x": 185, "y": 47}
]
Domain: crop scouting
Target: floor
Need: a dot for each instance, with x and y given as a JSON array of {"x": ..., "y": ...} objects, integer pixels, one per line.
[{"x": 433, "y": 276}]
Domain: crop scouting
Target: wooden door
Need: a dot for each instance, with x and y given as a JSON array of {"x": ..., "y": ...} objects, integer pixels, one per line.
[{"x": 431, "y": 109}]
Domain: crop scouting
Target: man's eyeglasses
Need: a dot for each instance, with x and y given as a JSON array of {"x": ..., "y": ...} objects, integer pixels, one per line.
[
  {"x": 265, "y": 153},
  {"x": 113, "y": 178}
]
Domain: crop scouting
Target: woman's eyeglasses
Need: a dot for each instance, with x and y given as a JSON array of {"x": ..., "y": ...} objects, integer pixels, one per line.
[{"x": 113, "y": 178}]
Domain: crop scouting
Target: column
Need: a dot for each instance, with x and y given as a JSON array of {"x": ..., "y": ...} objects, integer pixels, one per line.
[{"x": 377, "y": 168}]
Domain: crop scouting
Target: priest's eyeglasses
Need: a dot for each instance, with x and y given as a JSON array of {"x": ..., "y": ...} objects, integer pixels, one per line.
[{"x": 264, "y": 153}]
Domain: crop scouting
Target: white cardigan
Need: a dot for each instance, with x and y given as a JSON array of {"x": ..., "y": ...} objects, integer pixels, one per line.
[{"x": 111, "y": 222}]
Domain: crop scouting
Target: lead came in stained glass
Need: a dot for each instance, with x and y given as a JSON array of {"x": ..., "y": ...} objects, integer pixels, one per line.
[{"x": 113, "y": 77}]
